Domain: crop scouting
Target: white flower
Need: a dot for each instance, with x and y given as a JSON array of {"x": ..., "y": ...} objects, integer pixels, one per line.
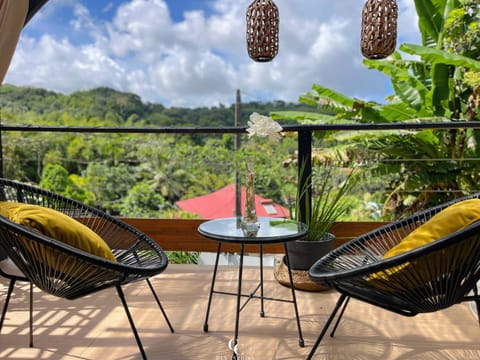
[
  {"x": 263, "y": 126},
  {"x": 471, "y": 143}
]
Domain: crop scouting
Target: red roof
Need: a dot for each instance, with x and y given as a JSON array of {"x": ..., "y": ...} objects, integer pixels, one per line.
[{"x": 221, "y": 203}]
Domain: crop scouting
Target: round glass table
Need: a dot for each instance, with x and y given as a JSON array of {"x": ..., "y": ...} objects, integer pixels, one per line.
[{"x": 272, "y": 230}]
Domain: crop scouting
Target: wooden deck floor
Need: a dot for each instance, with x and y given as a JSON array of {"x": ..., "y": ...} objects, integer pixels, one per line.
[{"x": 96, "y": 327}]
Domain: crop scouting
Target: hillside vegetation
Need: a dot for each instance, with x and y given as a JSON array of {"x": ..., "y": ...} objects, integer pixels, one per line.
[{"x": 133, "y": 174}]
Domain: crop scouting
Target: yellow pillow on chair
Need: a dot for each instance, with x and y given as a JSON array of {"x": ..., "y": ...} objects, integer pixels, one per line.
[
  {"x": 451, "y": 219},
  {"x": 58, "y": 226},
  {"x": 447, "y": 221}
]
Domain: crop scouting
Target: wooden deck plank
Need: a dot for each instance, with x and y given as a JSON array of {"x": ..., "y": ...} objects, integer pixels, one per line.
[{"x": 96, "y": 328}]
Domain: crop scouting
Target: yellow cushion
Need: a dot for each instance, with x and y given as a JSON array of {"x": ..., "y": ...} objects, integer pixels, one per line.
[
  {"x": 447, "y": 221},
  {"x": 58, "y": 226}
]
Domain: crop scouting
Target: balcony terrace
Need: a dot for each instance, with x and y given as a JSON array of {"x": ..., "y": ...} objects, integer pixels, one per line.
[
  {"x": 79, "y": 330},
  {"x": 95, "y": 327}
]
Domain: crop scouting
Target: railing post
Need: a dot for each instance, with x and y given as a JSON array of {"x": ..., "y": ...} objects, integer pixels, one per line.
[
  {"x": 304, "y": 172},
  {"x": 238, "y": 178},
  {"x": 1, "y": 149}
]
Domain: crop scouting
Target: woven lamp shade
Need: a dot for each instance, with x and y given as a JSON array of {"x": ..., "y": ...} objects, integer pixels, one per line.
[
  {"x": 379, "y": 28},
  {"x": 262, "y": 30}
]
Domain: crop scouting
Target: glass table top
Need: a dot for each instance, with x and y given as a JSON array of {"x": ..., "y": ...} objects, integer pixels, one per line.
[{"x": 272, "y": 230}]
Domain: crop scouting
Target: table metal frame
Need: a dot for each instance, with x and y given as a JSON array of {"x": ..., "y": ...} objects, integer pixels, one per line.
[{"x": 252, "y": 295}]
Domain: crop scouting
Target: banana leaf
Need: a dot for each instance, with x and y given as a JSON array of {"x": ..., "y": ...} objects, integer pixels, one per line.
[{"x": 435, "y": 56}]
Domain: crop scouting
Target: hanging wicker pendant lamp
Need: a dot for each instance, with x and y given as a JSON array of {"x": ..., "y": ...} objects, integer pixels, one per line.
[
  {"x": 262, "y": 30},
  {"x": 379, "y": 28}
]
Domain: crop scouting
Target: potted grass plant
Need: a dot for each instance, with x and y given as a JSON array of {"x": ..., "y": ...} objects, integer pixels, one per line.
[{"x": 328, "y": 204}]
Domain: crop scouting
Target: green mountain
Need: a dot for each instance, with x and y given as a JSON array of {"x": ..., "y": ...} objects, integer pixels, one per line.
[
  {"x": 114, "y": 108},
  {"x": 134, "y": 174}
]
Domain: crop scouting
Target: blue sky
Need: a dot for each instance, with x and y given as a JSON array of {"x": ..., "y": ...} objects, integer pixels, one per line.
[{"x": 193, "y": 53}]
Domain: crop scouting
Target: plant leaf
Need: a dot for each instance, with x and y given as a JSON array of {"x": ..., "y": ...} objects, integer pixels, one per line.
[
  {"x": 337, "y": 99},
  {"x": 430, "y": 19},
  {"x": 302, "y": 116},
  {"x": 435, "y": 56}
]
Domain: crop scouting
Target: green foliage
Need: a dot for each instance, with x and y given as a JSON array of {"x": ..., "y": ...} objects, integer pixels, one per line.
[
  {"x": 329, "y": 191},
  {"x": 437, "y": 83},
  {"x": 142, "y": 201},
  {"x": 109, "y": 183},
  {"x": 462, "y": 29},
  {"x": 183, "y": 257},
  {"x": 472, "y": 79},
  {"x": 108, "y": 107},
  {"x": 117, "y": 171},
  {"x": 56, "y": 178},
  {"x": 437, "y": 56}
]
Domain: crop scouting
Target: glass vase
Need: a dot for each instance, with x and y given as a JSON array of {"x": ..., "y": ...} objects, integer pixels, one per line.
[{"x": 249, "y": 223}]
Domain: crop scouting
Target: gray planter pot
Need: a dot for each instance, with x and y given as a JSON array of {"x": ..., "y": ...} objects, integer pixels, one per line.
[{"x": 303, "y": 254}]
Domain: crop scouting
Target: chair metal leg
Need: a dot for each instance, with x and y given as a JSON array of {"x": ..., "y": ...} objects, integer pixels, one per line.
[
  {"x": 327, "y": 324},
  {"x": 477, "y": 302},
  {"x": 31, "y": 316},
  {"x": 160, "y": 306},
  {"x": 130, "y": 320},
  {"x": 340, "y": 316},
  {"x": 11, "y": 285}
]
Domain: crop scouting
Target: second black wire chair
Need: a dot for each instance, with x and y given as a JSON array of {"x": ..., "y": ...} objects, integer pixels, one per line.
[
  {"x": 68, "y": 272},
  {"x": 425, "y": 279}
]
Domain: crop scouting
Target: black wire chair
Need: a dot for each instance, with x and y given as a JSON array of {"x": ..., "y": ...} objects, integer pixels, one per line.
[
  {"x": 426, "y": 279},
  {"x": 80, "y": 273}
]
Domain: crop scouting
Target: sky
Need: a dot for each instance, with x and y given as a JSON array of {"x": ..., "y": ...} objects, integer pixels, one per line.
[{"x": 192, "y": 53}]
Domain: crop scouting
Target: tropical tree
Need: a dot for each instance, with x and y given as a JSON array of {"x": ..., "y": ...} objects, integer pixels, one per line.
[
  {"x": 143, "y": 202},
  {"x": 435, "y": 83},
  {"x": 109, "y": 184},
  {"x": 56, "y": 179}
]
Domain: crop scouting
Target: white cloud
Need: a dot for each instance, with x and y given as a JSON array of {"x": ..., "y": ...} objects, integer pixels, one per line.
[
  {"x": 202, "y": 60},
  {"x": 60, "y": 66},
  {"x": 140, "y": 26},
  {"x": 330, "y": 40},
  {"x": 204, "y": 79}
]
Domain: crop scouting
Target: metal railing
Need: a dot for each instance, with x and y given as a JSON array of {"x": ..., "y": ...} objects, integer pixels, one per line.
[{"x": 305, "y": 136}]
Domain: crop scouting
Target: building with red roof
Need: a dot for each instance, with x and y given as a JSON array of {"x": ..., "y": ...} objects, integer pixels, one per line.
[{"x": 221, "y": 203}]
